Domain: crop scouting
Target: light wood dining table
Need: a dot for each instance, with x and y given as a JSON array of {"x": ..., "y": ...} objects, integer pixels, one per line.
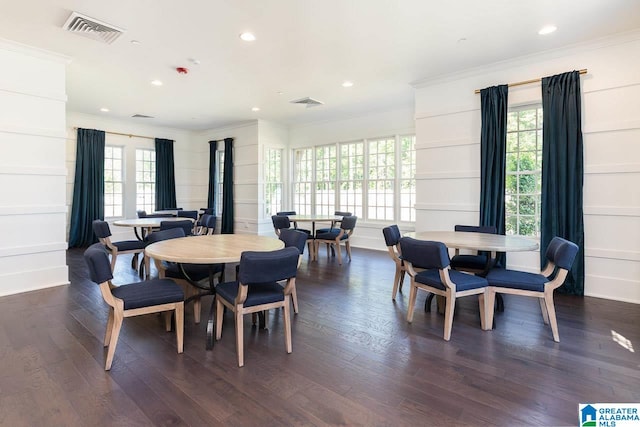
[
  {"x": 209, "y": 249},
  {"x": 145, "y": 224}
]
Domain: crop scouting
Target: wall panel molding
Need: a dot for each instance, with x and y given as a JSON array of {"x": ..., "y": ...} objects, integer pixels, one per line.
[
  {"x": 452, "y": 207},
  {"x": 464, "y": 174},
  {"x": 598, "y": 287},
  {"x": 32, "y": 280},
  {"x": 33, "y": 249},
  {"x": 633, "y": 256},
  {"x": 445, "y": 143},
  {"x": 612, "y": 211},
  {"x": 52, "y": 96},
  {"x": 33, "y": 131},
  {"x": 33, "y": 210},
  {"x": 32, "y": 170},
  {"x": 612, "y": 168}
]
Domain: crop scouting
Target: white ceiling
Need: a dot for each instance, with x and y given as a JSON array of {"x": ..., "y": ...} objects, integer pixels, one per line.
[{"x": 303, "y": 48}]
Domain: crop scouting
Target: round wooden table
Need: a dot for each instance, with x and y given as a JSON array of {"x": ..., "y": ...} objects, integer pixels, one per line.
[
  {"x": 146, "y": 224},
  {"x": 210, "y": 249},
  {"x": 477, "y": 241}
]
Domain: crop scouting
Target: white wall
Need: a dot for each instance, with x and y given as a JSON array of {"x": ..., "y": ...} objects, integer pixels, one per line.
[
  {"x": 368, "y": 234},
  {"x": 32, "y": 169},
  {"x": 448, "y": 157},
  {"x": 245, "y": 170},
  {"x": 191, "y": 168}
]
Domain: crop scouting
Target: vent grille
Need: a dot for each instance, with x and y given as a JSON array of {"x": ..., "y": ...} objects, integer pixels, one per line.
[
  {"x": 309, "y": 102},
  {"x": 92, "y": 28},
  {"x": 142, "y": 116}
]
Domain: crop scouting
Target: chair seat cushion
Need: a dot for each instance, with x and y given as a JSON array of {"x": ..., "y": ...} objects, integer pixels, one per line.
[
  {"x": 331, "y": 235},
  {"x": 516, "y": 279},
  {"x": 196, "y": 272},
  {"x": 328, "y": 230},
  {"x": 257, "y": 294},
  {"x": 130, "y": 245},
  {"x": 463, "y": 281},
  {"x": 148, "y": 293},
  {"x": 476, "y": 262}
]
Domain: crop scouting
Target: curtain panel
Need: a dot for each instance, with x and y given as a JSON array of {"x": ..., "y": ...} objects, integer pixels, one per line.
[
  {"x": 88, "y": 187},
  {"x": 563, "y": 171},
  {"x": 493, "y": 154},
  {"x": 211, "y": 199},
  {"x": 165, "y": 175},
  {"x": 227, "y": 189}
]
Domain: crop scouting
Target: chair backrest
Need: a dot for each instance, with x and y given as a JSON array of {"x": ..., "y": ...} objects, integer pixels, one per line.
[
  {"x": 341, "y": 213},
  {"x": 186, "y": 225},
  {"x": 209, "y": 222},
  {"x": 263, "y": 267},
  {"x": 188, "y": 214},
  {"x": 348, "y": 223},
  {"x": 208, "y": 211},
  {"x": 171, "y": 233},
  {"x": 489, "y": 229},
  {"x": 101, "y": 229},
  {"x": 294, "y": 238},
  {"x": 97, "y": 260},
  {"x": 561, "y": 252},
  {"x": 424, "y": 253},
  {"x": 286, "y": 213},
  {"x": 280, "y": 222},
  {"x": 142, "y": 214},
  {"x": 391, "y": 235}
]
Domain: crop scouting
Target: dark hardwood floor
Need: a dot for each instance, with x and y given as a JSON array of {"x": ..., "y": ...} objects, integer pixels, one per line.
[{"x": 355, "y": 360}]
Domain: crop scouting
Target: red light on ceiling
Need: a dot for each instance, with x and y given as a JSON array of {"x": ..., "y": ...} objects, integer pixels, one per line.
[{"x": 182, "y": 70}]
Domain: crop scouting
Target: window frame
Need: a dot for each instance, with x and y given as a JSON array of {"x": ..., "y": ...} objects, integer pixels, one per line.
[
  {"x": 273, "y": 179},
  {"x": 146, "y": 205},
  {"x": 114, "y": 182}
]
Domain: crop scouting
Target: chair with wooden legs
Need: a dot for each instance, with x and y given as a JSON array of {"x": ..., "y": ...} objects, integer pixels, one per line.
[
  {"x": 334, "y": 238},
  {"x": 151, "y": 296},
  {"x": 297, "y": 239},
  {"x": 282, "y": 222},
  {"x": 439, "y": 279},
  {"x": 136, "y": 247},
  {"x": 392, "y": 239},
  {"x": 560, "y": 255},
  {"x": 257, "y": 289}
]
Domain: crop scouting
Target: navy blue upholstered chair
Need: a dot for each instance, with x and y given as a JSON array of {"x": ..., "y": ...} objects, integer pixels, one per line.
[
  {"x": 188, "y": 214},
  {"x": 298, "y": 240},
  {"x": 152, "y": 296},
  {"x": 186, "y": 225},
  {"x": 188, "y": 275},
  {"x": 257, "y": 289},
  {"x": 206, "y": 225},
  {"x": 438, "y": 278},
  {"x": 103, "y": 233},
  {"x": 280, "y": 223},
  {"x": 392, "y": 239},
  {"x": 473, "y": 263},
  {"x": 333, "y": 223},
  {"x": 335, "y": 238},
  {"x": 295, "y": 224},
  {"x": 560, "y": 255}
]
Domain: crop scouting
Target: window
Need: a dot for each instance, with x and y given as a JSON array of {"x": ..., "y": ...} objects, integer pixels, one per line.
[
  {"x": 524, "y": 171},
  {"x": 380, "y": 192},
  {"x": 220, "y": 170},
  {"x": 145, "y": 180},
  {"x": 326, "y": 168},
  {"x": 302, "y": 180},
  {"x": 407, "y": 178},
  {"x": 113, "y": 181},
  {"x": 374, "y": 179},
  {"x": 351, "y": 177},
  {"x": 273, "y": 181}
]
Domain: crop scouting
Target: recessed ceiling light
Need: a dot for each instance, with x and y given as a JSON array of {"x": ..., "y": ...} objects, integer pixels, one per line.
[
  {"x": 255, "y": 109},
  {"x": 104, "y": 110},
  {"x": 279, "y": 92},
  {"x": 135, "y": 42},
  {"x": 156, "y": 82},
  {"x": 547, "y": 29},
  {"x": 347, "y": 84},
  {"x": 248, "y": 37}
]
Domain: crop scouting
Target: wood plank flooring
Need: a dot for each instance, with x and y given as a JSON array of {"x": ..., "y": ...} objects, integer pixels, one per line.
[{"x": 355, "y": 360}]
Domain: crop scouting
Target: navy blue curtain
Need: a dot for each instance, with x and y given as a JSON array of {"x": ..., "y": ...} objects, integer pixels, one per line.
[
  {"x": 493, "y": 154},
  {"x": 562, "y": 171},
  {"x": 88, "y": 187},
  {"x": 165, "y": 176},
  {"x": 227, "y": 188},
  {"x": 211, "y": 200}
]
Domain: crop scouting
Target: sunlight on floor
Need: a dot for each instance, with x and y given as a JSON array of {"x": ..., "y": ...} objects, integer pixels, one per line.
[{"x": 620, "y": 339}]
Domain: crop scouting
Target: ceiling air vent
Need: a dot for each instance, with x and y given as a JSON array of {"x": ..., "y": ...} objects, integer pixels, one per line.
[
  {"x": 92, "y": 28},
  {"x": 142, "y": 116},
  {"x": 309, "y": 102}
]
